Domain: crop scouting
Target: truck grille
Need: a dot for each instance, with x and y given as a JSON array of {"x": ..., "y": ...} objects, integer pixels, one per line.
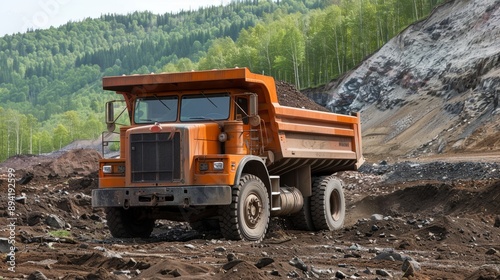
[{"x": 155, "y": 157}]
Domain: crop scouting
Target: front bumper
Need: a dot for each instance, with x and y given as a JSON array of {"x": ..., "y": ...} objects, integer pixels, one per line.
[{"x": 162, "y": 196}]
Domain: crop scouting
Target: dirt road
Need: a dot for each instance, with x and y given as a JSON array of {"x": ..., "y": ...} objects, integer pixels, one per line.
[{"x": 435, "y": 220}]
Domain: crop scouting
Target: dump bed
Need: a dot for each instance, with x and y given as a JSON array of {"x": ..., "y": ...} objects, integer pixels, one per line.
[
  {"x": 290, "y": 137},
  {"x": 327, "y": 142}
]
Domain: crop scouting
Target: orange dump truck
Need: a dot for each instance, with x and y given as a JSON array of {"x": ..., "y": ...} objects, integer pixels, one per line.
[{"x": 216, "y": 146}]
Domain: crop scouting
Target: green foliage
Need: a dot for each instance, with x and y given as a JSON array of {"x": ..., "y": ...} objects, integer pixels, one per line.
[
  {"x": 24, "y": 134},
  {"x": 60, "y": 233},
  {"x": 50, "y": 80},
  {"x": 311, "y": 47},
  {"x": 114, "y": 147}
]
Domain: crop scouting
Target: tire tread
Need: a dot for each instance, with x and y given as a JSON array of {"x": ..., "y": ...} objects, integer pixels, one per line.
[{"x": 229, "y": 221}]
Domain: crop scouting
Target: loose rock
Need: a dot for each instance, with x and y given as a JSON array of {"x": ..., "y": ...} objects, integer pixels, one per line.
[
  {"x": 298, "y": 263},
  {"x": 408, "y": 268},
  {"x": 341, "y": 275},
  {"x": 54, "y": 221},
  {"x": 4, "y": 245},
  {"x": 37, "y": 275},
  {"x": 491, "y": 251},
  {"x": 264, "y": 262},
  {"x": 231, "y": 257},
  {"x": 390, "y": 256},
  {"x": 231, "y": 264},
  {"x": 377, "y": 217},
  {"x": 383, "y": 272}
]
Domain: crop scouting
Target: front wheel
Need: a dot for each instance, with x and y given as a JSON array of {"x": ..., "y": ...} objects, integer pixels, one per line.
[
  {"x": 247, "y": 217},
  {"x": 129, "y": 223},
  {"x": 328, "y": 204}
]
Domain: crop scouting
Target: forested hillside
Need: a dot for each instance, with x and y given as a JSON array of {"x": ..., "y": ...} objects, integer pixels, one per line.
[{"x": 50, "y": 89}]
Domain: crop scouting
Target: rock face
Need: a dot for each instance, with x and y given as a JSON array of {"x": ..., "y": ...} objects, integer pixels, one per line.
[{"x": 434, "y": 88}]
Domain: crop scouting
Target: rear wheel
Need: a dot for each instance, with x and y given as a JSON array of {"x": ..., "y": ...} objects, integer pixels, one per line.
[
  {"x": 302, "y": 220},
  {"x": 328, "y": 204},
  {"x": 247, "y": 217},
  {"x": 129, "y": 223}
]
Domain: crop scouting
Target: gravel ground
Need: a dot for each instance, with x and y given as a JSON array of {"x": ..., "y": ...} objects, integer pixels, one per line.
[{"x": 436, "y": 220}]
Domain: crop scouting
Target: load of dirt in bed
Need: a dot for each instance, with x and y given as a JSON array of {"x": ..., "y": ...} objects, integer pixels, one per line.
[{"x": 288, "y": 95}]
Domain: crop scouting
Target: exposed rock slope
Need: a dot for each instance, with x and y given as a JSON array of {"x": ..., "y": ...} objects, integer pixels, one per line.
[{"x": 434, "y": 88}]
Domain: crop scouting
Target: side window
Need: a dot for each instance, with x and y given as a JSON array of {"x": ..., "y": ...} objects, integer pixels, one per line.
[
  {"x": 141, "y": 111},
  {"x": 242, "y": 109}
]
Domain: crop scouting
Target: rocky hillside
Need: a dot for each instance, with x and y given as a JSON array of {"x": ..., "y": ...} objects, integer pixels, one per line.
[{"x": 432, "y": 89}]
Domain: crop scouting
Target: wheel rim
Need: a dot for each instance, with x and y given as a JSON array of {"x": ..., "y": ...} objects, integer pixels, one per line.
[
  {"x": 253, "y": 210},
  {"x": 335, "y": 210}
]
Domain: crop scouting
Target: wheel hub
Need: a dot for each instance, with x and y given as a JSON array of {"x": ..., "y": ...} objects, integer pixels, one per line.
[
  {"x": 253, "y": 210},
  {"x": 335, "y": 205}
]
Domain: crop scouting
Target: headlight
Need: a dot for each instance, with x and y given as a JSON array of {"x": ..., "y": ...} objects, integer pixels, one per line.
[
  {"x": 211, "y": 166},
  {"x": 113, "y": 169},
  {"x": 218, "y": 165},
  {"x": 203, "y": 166},
  {"x": 108, "y": 169}
]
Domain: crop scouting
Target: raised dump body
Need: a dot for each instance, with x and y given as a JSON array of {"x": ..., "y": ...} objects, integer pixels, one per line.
[{"x": 216, "y": 145}]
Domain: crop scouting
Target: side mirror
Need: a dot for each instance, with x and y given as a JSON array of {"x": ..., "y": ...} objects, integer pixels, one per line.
[
  {"x": 110, "y": 116},
  {"x": 254, "y": 110},
  {"x": 110, "y": 112}
]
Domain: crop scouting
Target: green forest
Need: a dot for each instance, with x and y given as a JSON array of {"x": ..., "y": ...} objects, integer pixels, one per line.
[{"x": 50, "y": 80}]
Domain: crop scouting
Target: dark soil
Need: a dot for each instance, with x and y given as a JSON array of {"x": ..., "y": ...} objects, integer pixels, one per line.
[
  {"x": 288, "y": 95},
  {"x": 442, "y": 216}
]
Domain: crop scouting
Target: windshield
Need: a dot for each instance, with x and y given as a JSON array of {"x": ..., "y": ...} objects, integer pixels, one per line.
[
  {"x": 157, "y": 109},
  {"x": 205, "y": 107}
]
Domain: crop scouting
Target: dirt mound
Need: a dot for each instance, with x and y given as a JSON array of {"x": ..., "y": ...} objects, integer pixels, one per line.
[
  {"x": 437, "y": 200},
  {"x": 171, "y": 268},
  {"x": 288, "y": 95},
  {"x": 80, "y": 162},
  {"x": 244, "y": 271},
  {"x": 485, "y": 273}
]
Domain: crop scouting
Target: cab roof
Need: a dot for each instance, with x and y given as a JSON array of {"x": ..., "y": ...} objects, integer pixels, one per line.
[{"x": 195, "y": 80}]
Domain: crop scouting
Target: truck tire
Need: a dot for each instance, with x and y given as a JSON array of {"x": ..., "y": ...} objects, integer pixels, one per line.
[
  {"x": 206, "y": 225},
  {"x": 328, "y": 204},
  {"x": 247, "y": 217},
  {"x": 302, "y": 220},
  {"x": 124, "y": 223}
]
